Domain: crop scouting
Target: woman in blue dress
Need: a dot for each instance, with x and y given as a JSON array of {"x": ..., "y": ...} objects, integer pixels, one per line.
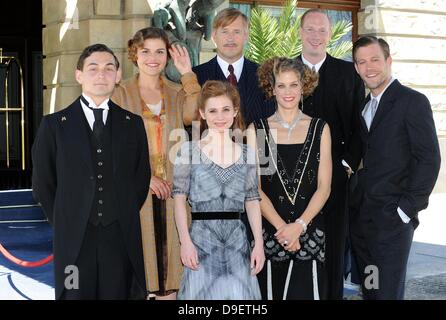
[{"x": 218, "y": 177}]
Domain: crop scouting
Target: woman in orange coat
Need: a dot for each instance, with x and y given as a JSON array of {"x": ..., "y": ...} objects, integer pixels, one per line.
[{"x": 164, "y": 106}]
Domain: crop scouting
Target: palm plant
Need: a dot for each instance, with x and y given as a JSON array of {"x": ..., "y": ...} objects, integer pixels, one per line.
[{"x": 271, "y": 36}]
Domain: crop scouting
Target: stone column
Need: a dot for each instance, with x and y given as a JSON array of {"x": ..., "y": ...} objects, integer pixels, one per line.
[
  {"x": 72, "y": 25},
  {"x": 416, "y": 33}
]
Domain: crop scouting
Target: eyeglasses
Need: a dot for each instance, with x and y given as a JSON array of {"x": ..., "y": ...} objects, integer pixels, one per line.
[{"x": 321, "y": 32}]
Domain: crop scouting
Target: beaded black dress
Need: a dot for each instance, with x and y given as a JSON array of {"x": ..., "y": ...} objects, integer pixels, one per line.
[{"x": 289, "y": 179}]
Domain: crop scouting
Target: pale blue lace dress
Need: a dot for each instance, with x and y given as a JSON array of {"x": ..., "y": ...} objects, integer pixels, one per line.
[{"x": 223, "y": 248}]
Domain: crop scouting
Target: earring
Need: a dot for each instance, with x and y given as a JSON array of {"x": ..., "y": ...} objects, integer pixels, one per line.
[{"x": 302, "y": 102}]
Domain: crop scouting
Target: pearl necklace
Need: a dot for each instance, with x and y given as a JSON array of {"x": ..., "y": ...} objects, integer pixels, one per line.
[{"x": 289, "y": 126}]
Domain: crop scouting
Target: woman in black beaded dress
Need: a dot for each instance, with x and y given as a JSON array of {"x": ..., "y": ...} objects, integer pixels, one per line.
[{"x": 294, "y": 153}]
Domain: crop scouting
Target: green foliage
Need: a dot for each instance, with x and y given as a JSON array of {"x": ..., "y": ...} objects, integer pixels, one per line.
[{"x": 270, "y": 36}]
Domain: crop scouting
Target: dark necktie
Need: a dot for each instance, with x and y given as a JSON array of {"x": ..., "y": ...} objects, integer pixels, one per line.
[
  {"x": 232, "y": 78},
  {"x": 98, "y": 124}
]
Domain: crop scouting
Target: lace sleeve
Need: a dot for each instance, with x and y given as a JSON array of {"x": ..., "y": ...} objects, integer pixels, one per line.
[
  {"x": 181, "y": 170},
  {"x": 251, "y": 182}
]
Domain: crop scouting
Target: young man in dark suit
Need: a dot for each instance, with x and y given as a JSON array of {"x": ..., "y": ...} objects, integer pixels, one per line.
[
  {"x": 91, "y": 176},
  {"x": 336, "y": 99},
  {"x": 401, "y": 161},
  {"x": 230, "y": 34}
]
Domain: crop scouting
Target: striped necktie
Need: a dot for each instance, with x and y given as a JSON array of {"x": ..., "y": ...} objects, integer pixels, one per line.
[{"x": 232, "y": 78}]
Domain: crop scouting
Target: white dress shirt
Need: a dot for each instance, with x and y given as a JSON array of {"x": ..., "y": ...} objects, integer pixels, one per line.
[
  {"x": 238, "y": 67},
  {"x": 316, "y": 66},
  {"x": 378, "y": 97},
  {"x": 89, "y": 113}
]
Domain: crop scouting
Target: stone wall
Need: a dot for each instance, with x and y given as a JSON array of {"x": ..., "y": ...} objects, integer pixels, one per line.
[
  {"x": 72, "y": 25},
  {"x": 416, "y": 33}
]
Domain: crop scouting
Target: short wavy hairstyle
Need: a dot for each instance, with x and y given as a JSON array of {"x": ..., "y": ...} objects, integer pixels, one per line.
[
  {"x": 137, "y": 42},
  {"x": 268, "y": 71}
]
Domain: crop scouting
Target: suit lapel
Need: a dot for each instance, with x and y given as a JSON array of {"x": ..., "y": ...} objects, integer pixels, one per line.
[
  {"x": 243, "y": 83},
  {"x": 218, "y": 73},
  {"x": 247, "y": 87},
  {"x": 75, "y": 126},
  {"x": 319, "y": 95},
  {"x": 385, "y": 104},
  {"x": 361, "y": 109},
  {"x": 118, "y": 133}
]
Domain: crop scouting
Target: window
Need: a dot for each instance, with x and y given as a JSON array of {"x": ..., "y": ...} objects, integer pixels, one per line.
[{"x": 337, "y": 9}]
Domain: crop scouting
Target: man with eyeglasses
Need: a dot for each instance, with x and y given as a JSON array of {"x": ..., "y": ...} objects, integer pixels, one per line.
[{"x": 338, "y": 95}]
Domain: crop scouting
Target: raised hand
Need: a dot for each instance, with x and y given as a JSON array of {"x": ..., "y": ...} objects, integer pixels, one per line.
[{"x": 180, "y": 58}]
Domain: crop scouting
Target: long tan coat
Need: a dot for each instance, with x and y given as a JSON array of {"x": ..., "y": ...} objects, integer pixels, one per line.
[{"x": 180, "y": 103}]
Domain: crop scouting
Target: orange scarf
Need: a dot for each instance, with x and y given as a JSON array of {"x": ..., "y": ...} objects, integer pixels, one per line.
[{"x": 157, "y": 152}]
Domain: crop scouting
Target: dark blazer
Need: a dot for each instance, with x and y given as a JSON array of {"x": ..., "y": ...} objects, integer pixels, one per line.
[
  {"x": 401, "y": 159},
  {"x": 254, "y": 104},
  {"x": 64, "y": 182},
  {"x": 336, "y": 99}
]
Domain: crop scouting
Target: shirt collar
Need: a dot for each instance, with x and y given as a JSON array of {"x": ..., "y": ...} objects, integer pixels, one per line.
[
  {"x": 378, "y": 98},
  {"x": 238, "y": 66},
  {"x": 316, "y": 66},
  {"x": 103, "y": 105}
]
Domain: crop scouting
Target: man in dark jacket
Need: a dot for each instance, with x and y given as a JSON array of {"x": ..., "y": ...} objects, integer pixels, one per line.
[
  {"x": 401, "y": 162},
  {"x": 336, "y": 99},
  {"x": 230, "y": 34},
  {"x": 91, "y": 176}
]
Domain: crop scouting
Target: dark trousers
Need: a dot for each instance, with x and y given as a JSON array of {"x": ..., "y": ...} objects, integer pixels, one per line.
[
  {"x": 389, "y": 255},
  {"x": 336, "y": 222},
  {"x": 105, "y": 270},
  {"x": 350, "y": 263}
]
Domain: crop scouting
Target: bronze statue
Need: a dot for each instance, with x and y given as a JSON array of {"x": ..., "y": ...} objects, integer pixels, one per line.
[{"x": 187, "y": 25}]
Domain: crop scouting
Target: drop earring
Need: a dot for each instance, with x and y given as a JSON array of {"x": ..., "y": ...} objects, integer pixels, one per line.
[{"x": 302, "y": 102}]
